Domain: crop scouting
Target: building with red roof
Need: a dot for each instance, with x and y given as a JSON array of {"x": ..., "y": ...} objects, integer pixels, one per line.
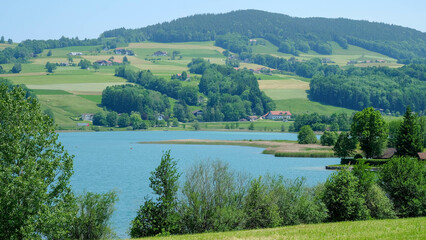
[{"x": 278, "y": 115}]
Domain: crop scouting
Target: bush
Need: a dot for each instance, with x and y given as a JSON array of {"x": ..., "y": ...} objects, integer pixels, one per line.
[
  {"x": 329, "y": 138},
  {"x": 380, "y": 206},
  {"x": 94, "y": 213},
  {"x": 343, "y": 199},
  {"x": 404, "y": 179},
  {"x": 306, "y": 135}
]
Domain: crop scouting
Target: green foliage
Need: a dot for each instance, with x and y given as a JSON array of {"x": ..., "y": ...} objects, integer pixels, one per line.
[
  {"x": 342, "y": 198},
  {"x": 369, "y": 128},
  {"x": 123, "y": 120},
  {"x": 377, "y": 201},
  {"x": 129, "y": 98},
  {"x": 99, "y": 119},
  {"x": 84, "y": 64},
  {"x": 159, "y": 216},
  {"x": 329, "y": 138},
  {"x": 393, "y": 132},
  {"x": 93, "y": 216},
  {"x": 136, "y": 120},
  {"x": 50, "y": 67},
  {"x": 297, "y": 204},
  {"x": 259, "y": 207},
  {"x": 111, "y": 119},
  {"x": 251, "y": 126},
  {"x": 35, "y": 195},
  {"x": 196, "y": 125},
  {"x": 345, "y": 145},
  {"x": 381, "y": 87},
  {"x": 404, "y": 179},
  {"x": 306, "y": 135},
  {"x": 212, "y": 200},
  {"x": 409, "y": 140},
  {"x": 49, "y": 113},
  {"x": 49, "y": 53},
  {"x": 17, "y": 68}
]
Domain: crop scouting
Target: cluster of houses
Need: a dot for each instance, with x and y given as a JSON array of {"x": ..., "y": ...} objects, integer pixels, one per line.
[
  {"x": 75, "y": 53},
  {"x": 271, "y": 115},
  {"x": 365, "y": 61},
  {"x": 123, "y": 51}
]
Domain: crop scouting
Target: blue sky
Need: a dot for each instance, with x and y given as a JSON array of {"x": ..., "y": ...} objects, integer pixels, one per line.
[{"x": 46, "y": 19}]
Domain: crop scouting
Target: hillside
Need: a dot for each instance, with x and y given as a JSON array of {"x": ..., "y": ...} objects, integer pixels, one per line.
[{"x": 300, "y": 34}]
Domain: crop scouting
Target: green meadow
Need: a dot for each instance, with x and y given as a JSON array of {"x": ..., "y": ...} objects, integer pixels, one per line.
[
  {"x": 71, "y": 91},
  {"x": 406, "y": 228}
]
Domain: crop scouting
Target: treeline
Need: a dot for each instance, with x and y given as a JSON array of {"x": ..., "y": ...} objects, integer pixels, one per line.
[
  {"x": 381, "y": 87},
  {"x": 336, "y": 122},
  {"x": 131, "y": 98},
  {"x": 172, "y": 88},
  {"x": 215, "y": 198},
  {"x": 32, "y": 48},
  {"x": 232, "y": 94},
  {"x": 290, "y": 34}
]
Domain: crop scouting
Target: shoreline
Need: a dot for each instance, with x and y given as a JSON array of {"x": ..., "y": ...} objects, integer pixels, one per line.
[{"x": 279, "y": 148}]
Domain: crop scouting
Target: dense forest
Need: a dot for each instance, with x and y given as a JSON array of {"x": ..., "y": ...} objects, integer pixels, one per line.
[
  {"x": 290, "y": 34},
  {"x": 131, "y": 98},
  {"x": 232, "y": 94},
  {"x": 381, "y": 87}
]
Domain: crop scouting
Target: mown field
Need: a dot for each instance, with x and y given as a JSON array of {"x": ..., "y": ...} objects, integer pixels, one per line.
[
  {"x": 408, "y": 228},
  {"x": 71, "y": 91}
]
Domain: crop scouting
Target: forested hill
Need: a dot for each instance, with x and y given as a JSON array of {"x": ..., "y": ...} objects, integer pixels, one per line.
[{"x": 301, "y": 34}]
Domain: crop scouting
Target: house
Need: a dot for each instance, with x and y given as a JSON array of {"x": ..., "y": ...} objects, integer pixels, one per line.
[
  {"x": 421, "y": 155},
  {"x": 160, "y": 117},
  {"x": 387, "y": 154},
  {"x": 159, "y": 54},
  {"x": 252, "y": 118},
  {"x": 197, "y": 113},
  {"x": 83, "y": 124},
  {"x": 75, "y": 53},
  {"x": 87, "y": 116},
  {"x": 278, "y": 115},
  {"x": 103, "y": 63}
]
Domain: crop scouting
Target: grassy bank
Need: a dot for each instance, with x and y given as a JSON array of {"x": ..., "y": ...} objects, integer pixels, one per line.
[
  {"x": 408, "y": 228},
  {"x": 280, "y": 148}
]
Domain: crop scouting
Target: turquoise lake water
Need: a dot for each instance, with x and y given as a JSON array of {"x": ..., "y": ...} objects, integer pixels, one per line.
[{"x": 107, "y": 161}]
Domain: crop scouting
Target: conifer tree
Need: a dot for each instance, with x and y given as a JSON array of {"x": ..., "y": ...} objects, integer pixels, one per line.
[{"x": 409, "y": 139}]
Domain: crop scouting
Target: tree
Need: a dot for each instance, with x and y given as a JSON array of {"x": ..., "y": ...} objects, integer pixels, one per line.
[
  {"x": 251, "y": 126},
  {"x": 9, "y": 41},
  {"x": 409, "y": 139},
  {"x": 306, "y": 135},
  {"x": 343, "y": 199},
  {"x": 159, "y": 216},
  {"x": 371, "y": 131},
  {"x": 94, "y": 212},
  {"x": 125, "y": 60},
  {"x": 50, "y": 67},
  {"x": 123, "y": 120},
  {"x": 328, "y": 138},
  {"x": 404, "y": 180},
  {"x": 196, "y": 125},
  {"x": 99, "y": 119},
  {"x": 2, "y": 39},
  {"x": 96, "y": 66},
  {"x": 111, "y": 119},
  {"x": 49, "y": 53},
  {"x": 345, "y": 145},
  {"x": 259, "y": 207},
  {"x": 135, "y": 120},
  {"x": 16, "y": 68},
  {"x": 36, "y": 201},
  {"x": 84, "y": 64}
]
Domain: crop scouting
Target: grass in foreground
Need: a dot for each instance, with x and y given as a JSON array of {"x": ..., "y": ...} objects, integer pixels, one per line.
[{"x": 408, "y": 228}]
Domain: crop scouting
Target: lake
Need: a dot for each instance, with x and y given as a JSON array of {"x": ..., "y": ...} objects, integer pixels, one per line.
[{"x": 107, "y": 161}]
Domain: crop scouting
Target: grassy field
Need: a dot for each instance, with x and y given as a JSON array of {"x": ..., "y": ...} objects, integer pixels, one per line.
[
  {"x": 260, "y": 125},
  {"x": 408, "y": 228},
  {"x": 83, "y": 88},
  {"x": 340, "y": 56}
]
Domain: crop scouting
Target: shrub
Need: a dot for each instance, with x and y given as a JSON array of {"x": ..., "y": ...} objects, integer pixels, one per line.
[
  {"x": 343, "y": 199},
  {"x": 306, "y": 135},
  {"x": 404, "y": 179}
]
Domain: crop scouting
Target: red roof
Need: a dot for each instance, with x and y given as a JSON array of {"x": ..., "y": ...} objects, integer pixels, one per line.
[
  {"x": 277, "y": 113},
  {"x": 422, "y": 155}
]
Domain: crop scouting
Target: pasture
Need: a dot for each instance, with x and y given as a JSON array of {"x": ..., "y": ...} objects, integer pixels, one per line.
[{"x": 407, "y": 228}]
